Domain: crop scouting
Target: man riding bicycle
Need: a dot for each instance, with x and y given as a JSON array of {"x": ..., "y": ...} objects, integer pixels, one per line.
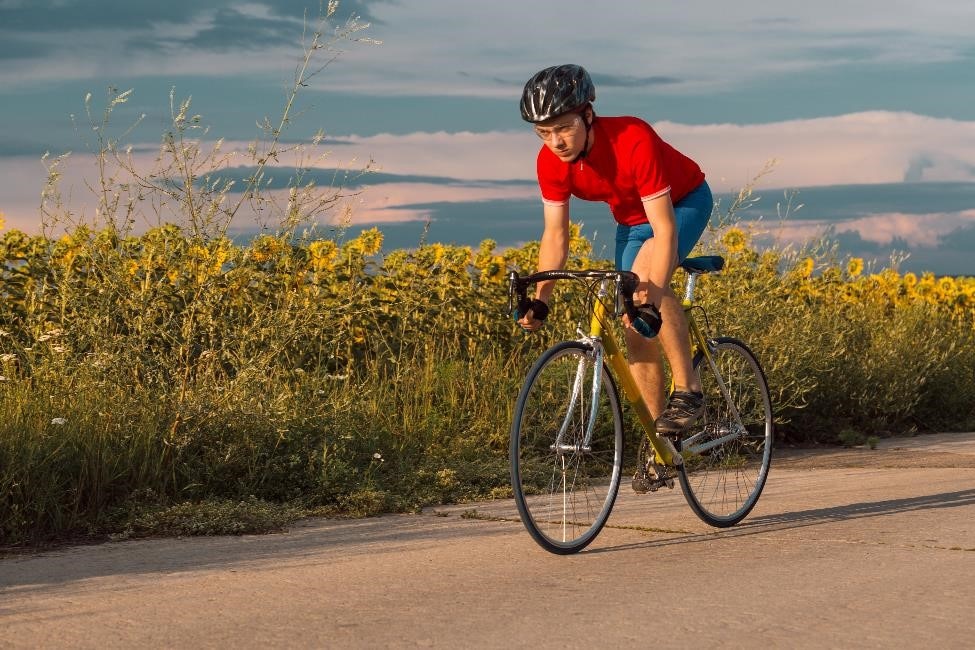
[{"x": 661, "y": 203}]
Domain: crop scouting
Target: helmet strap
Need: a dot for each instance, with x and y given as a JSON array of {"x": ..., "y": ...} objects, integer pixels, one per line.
[{"x": 585, "y": 146}]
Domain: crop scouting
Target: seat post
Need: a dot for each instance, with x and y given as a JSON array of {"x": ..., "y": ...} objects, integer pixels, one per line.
[{"x": 689, "y": 288}]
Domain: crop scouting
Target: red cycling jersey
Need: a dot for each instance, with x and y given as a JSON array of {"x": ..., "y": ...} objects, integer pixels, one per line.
[{"x": 627, "y": 165}]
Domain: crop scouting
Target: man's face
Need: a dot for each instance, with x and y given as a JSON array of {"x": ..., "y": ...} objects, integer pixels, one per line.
[{"x": 564, "y": 135}]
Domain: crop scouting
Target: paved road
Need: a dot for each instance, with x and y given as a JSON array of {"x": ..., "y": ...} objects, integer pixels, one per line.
[{"x": 845, "y": 549}]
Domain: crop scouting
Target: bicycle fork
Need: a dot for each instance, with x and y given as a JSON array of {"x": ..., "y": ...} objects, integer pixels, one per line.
[{"x": 577, "y": 389}]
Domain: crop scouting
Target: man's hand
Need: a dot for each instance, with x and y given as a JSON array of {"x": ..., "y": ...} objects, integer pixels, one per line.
[
  {"x": 644, "y": 319},
  {"x": 533, "y": 314}
]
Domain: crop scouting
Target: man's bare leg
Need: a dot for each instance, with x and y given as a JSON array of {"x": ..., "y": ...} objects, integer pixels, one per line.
[
  {"x": 676, "y": 342},
  {"x": 674, "y": 411},
  {"x": 674, "y": 337},
  {"x": 647, "y": 367}
]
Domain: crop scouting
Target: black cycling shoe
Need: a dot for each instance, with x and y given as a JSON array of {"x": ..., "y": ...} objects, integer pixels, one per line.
[{"x": 683, "y": 409}]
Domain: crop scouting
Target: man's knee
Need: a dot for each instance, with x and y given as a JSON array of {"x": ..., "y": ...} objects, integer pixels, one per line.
[{"x": 640, "y": 348}]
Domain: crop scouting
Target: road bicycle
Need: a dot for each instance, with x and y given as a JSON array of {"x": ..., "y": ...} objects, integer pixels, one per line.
[{"x": 567, "y": 432}]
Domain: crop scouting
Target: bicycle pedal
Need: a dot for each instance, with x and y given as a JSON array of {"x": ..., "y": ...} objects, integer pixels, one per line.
[{"x": 658, "y": 476}]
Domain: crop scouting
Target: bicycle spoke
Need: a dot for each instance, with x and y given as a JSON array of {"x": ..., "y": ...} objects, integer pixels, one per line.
[
  {"x": 727, "y": 455},
  {"x": 560, "y": 408}
]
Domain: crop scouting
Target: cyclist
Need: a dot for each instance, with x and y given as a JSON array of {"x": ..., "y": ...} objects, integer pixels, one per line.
[{"x": 661, "y": 204}]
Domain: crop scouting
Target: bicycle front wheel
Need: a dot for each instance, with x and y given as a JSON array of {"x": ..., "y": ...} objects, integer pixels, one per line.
[
  {"x": 728, "y": 452},
  {"x": 566, "y": 448}
]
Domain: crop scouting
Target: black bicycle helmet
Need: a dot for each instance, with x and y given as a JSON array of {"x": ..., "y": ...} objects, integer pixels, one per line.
[{"x": 555, "y": 91}]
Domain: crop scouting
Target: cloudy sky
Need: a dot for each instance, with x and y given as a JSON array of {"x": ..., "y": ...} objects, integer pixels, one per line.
[{"x": 868, "y": 106}]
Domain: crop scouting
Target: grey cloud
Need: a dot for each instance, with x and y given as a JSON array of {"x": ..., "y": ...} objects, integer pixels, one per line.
[
  {"x": 346, "y": 9},
  {"x": 851, "y": 47},
  {"x": 843, "y": 202},
  {"x": 775, "y": 21},
  {"x": 230, "y": 30},
  {"x": 838, "y": 53},
  {"x": 961, "y": 239},
  {"x": 599, "y": 78},
  {"x": 495, "y": 80},
  {"x": 915, "y": 169},
  {"x": 921, "y": 162},
  {"x": 624, "y": 81},
  {"x": 279, "y": 177},
  {"x": 58, "y": 15},
  {"x": 42, "y": 16},
  {"x": 13, "y": 48},
  {"x": 938, "y": 261},
  {"x": 852, "y": 241},
  {"x": 135, "y": 20},
  {"x": 23, "y": 147}
]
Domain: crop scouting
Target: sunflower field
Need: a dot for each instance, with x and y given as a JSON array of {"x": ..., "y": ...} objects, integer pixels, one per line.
[{"x": 142, "y": 372}]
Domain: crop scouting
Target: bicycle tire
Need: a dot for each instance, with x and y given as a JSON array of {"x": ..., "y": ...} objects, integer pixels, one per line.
[
  {"x": 565, "y": 497},
  {"x": 727, "y": 459}
]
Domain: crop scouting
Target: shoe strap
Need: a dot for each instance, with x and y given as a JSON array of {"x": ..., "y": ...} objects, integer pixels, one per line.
[{"x": 686, "y": 397}]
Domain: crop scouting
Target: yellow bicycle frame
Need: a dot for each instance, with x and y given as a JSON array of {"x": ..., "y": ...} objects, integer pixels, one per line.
[{"x": 665, "y": 452}]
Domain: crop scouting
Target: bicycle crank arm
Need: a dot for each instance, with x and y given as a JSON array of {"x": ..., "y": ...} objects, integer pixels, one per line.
[{"x": 665, "y": 449}]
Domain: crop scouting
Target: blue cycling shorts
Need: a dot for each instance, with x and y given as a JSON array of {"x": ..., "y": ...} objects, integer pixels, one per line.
[{"x": 692, "y": 214}]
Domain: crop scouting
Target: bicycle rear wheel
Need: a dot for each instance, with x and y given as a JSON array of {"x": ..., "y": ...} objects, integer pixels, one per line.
[
  {"x": 565, "y": 484},
  {"x": 728, "y": 452}
]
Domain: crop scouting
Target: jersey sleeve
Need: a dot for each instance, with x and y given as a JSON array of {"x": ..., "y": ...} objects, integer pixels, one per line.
[
  {"x": 650, "y": 177},
  {"x": 552, "y": 180}
]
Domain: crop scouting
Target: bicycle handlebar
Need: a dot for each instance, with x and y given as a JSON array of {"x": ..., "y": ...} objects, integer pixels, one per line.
[{"x": 626, "y": 284}]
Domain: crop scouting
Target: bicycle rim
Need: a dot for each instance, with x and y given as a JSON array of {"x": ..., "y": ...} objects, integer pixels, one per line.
[
  {"x": 564, "y": 485},
  {"x": 728, "y": 452}
]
